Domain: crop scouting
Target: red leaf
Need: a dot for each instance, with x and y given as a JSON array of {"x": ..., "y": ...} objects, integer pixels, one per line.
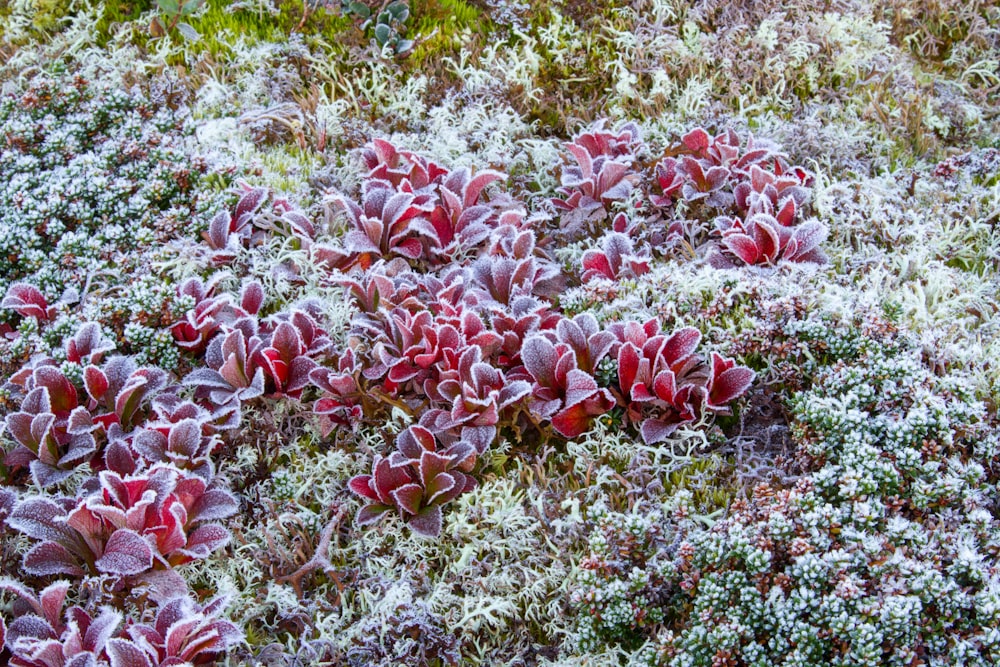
[
  {"x": 655, "y": 430},
  {"x": 371, "y": 513},
  {"x": 125, "y": 553},
  {"x": 388, "y": 477},
  {"x": 123, "y": 653},
  {"x": 539, "y": 357},
  {"x": 596, "y": 265},
  {"x": 251, "y": 297},
  {"x": 440, "y": 485},
  {"x": 728, "y": 382},
  {"x": 697, "y": 140},
  {"x": 665, "y": 386},
  {"x": 628, "y": 367},
  {"x": 26, "y": 301},
  {"x": 743, "y": 247},
  {"x": 573, "y": 421},
  {"x": 431, "y": 465},
  {"x": 681, "y": 345},
  {"x": 248, "y": 205},
  {"x": 206, "y": 539},
  {"x": 408, "y": 497},
  {"x": 51, "y": 601},
  {"x": 50, "y": 558},
  {"x": 361, "y": 485},
  {"x": 415, "y": 440},
  {"x": 579, "y": 387},
  {"x": 96, "y": 382},
  {"x": 427, "y": 522}
]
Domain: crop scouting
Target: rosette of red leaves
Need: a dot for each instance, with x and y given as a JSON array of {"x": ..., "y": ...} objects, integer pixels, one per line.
[
  {"x": 562, "y": 393},
  {"x": 615, "y": 259},
  {"x": 228, "y": 233},
  {"x": 603, "y": 174},
  {"x": 129, "y": 526},
  {"x": 664, "y": 384},
  {"x": 53, "y": 432},
  {"x": 479, "y": 393},
  {"x": 416, "y": 480},
  {"x": 42, "y": 635}
]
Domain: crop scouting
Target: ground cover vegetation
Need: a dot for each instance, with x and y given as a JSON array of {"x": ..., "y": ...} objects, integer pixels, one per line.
[{"x": 637, "y": 332}]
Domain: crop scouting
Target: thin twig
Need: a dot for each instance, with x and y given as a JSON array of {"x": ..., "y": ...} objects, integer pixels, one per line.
[{"x": 320, "y": 559}]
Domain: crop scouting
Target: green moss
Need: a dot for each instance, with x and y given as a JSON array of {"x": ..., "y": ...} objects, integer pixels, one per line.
[
  {"x": 709, "y": 480},
  {"x": 437, "y": 27},
  {"x": 430, "y": 14},
  {"x": 219, "y": 27},
  {"x": 116, "y": 12},
  {"x": 31, "y": 20}
]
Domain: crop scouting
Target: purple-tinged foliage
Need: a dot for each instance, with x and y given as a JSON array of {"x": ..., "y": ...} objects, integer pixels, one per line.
[
  {"x": 130, "y": 525},
  {"x": 201, "y": 322},
  {"x": 182, "y": 443},
  {"x": 478, "y": 393},
  {"x": 341, "y": 402},
  {"x": 615, "y": 260},
  {"x": 525, "y": 316},
  {"x": 211, "y": 312},
  {"x": 7, "y": 501},
  {"x": 460, "y": 221},
  {"x": 603, "y": 174},
  {"x": 46, "y": 605},
  {"x": 589, "y": 343},
  {"x": 503, "y": 279},
  {"x": 381, "y": 227},
  {"x": 726, "y": 382},
  {"x": 756, "y": 194},
  {"x": 410, "y": 345},
  {"x": 388, "y": 163},
  {"x": 600, "y": 143},
  {"x": 229, "y": 232},
  {"x": 183, "y": 633},
  {"x": 380, "y": 287},
  {"x": 782, "y": 187},
  {"x": 88, "y": 345},
  {"x": 763, "y": 239},
  {"x": 563, "y": 393},
  {"x": 119, "y": 391},
  {"x": 701, "y": 183},
  {"x": 27, "y": 301},
  {"x": 43, "y": 635},
  {"x": 78, "y": 641},
  {"x": 413, "y": 210},
  {"x": 52, "y": 430},
  {"x": 654, "y": 371},
  {"x": 286, "y": 354},
  {"x": 232, "y": 375},
  {"x": 416, "y": 480},
  {"x": 664, "y": 384}
]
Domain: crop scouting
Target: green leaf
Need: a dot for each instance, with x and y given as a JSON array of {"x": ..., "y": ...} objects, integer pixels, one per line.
[
  {"x": 360, "y": 9},
  {"x": 169, "y": 7},
  {"x": 382, "y": 34},
  {"x": 404, "y": 45},
  {"x": 191, "y": 6},
  {"x": 188, "y": 32},
  {"x": 398, "y": 9}
]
